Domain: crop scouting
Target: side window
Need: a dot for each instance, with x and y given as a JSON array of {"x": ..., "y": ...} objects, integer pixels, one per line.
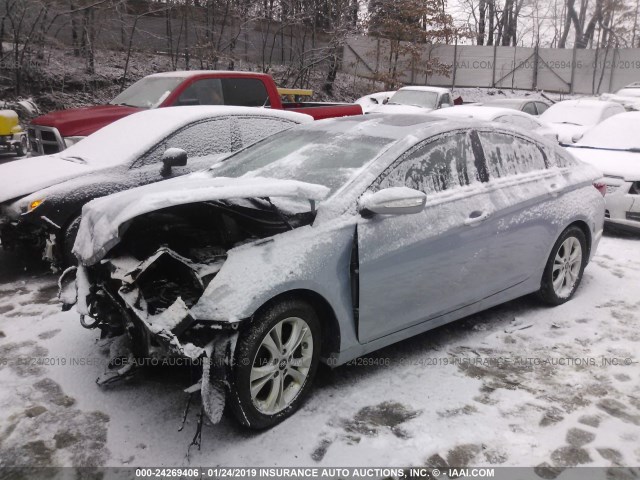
[
  {"x": 530, "y": 108},
  {"x": 253, "y": 129},
  {"x": 202, "y": 92},
  {"x": 245, "y": 92},
  {"x": 542, "y": 107},
  {"x": 510, "y": 155},
  {"x": 444, "y": 163},
  {"x": 208, "y": 137}
]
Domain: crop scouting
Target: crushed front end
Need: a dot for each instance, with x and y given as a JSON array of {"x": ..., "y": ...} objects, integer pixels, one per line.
[{"x": 142, "y": 292}]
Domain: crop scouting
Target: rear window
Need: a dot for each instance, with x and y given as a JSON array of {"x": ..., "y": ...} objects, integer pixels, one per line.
[
  {"x": 244, "y": 92},
  {"x": 510, "y": 155}
]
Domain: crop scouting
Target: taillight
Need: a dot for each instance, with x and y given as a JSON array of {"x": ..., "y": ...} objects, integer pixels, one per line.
[{"x": 601, "y": 187}]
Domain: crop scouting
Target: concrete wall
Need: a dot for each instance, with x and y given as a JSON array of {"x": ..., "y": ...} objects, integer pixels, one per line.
[{"x": 550, "y": 69}]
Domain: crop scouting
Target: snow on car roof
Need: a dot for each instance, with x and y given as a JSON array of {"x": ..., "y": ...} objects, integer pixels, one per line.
[
  {"x": 617, "y": 132},
  {"x": 426, "y": 89},
  {"x": 594, "y": 103},
  {"x": 509, "y": 101},
  {"x": 478, "y": 111},
  {"x": 133, "y": 135}
]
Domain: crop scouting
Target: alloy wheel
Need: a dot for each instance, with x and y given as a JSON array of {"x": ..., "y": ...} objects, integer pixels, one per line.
[
  {"x": 566, "y": 267},
  {"x": 281, "y": 365}
]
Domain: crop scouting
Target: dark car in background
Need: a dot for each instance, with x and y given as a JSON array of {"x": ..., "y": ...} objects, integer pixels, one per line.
[{"x": 41, "y": 198}]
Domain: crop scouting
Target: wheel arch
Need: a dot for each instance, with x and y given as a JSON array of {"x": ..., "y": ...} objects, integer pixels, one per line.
[
  {"x": 582, "y": 225},
  {"x": 328, "y": 319}
]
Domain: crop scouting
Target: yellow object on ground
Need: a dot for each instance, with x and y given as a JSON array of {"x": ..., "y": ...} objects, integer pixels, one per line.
[{"x": 9, "y": 122}]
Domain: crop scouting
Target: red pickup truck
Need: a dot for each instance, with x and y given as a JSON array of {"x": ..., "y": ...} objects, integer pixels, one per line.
[{"x": 56, "y": 131}]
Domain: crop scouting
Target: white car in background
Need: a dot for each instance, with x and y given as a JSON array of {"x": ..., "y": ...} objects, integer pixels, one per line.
[
  {"x": 370, "y": 101},
  {"x": 501, "y": 115},
  {"x": 570, "y": 119},
  {"x": 628, "y": 97},
  {"x": 416, "y": 99},
  {"x": 614, "y": 148}
]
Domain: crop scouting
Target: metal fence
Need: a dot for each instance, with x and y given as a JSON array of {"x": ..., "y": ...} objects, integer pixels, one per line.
[{"x": 550, "y": 69}]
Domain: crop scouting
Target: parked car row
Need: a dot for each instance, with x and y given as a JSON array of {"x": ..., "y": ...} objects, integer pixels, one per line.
[{"x": 266, "y": 242}]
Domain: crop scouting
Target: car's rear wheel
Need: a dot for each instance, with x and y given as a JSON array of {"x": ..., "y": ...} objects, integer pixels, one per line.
[
  {"x": 22, "y": 147},
  {"x": 565, "y": 266},
  {"x": 275, "y": 362}
]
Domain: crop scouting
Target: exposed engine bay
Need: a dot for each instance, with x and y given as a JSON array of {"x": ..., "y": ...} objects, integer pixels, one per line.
[{"x": 144, "y": 289}]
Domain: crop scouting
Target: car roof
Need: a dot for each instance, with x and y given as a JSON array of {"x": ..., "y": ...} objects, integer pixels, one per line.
[
  {"x": 478, "y": 111},
  {"x": 196, "y": 73},
  {"x": 510, "y": 101},
  {"x": 421, "y": 88},
  {"x": 178, "y": 116},
  {"x": 587, "y": 102}
]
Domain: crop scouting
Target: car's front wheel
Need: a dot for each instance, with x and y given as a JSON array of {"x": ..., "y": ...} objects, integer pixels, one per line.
[
  {"x": 275, "y": 362},
  {"x": 563, "y": 272}
]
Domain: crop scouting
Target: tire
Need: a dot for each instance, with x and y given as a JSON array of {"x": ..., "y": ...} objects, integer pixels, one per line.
[
  {"x": 21, "y": 148},
  {"x": 257, "y": 352},
  {"x": 565, "y": 267},
  {"x": 68, "y": 238}
]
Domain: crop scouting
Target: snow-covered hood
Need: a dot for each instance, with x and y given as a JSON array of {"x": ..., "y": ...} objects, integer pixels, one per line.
[
  {"x": 400, "y": 109},
  {"x": 22, "y": 177},
  {"x": 611, "y": 162},
  {"x": 85, "y": 120},
  {"x": 566, "y": 131},
  {"x": 105, "y": 219}
]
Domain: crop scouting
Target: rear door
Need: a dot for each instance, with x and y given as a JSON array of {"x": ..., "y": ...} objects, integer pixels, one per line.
[
  {"x": 520, "y": 187},
  {"x": 418, "y": 267}
]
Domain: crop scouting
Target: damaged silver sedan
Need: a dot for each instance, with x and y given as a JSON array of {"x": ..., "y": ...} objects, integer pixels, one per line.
[{"x": 327, "y": 242}]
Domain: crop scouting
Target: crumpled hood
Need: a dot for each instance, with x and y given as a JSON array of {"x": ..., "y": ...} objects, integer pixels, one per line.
[
  {"x": 28, "y": 175},
  {"x": 105, "y": 219},
  {"x": 84, "y": 121},
  {"x": 610, "y": 162}
]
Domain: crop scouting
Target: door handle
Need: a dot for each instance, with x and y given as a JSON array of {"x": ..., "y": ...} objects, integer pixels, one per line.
[{"x": 476, "y": 217}]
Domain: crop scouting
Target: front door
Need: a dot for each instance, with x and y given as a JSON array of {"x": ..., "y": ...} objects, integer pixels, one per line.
[{"x": 417, "y": 267}]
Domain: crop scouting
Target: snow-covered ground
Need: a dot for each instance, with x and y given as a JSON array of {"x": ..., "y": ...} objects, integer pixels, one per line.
[{"x": 521, "y": 384}]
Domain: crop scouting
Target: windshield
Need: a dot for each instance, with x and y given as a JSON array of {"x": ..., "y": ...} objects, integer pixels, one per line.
[
  {"x": 619, "y": 132},
  {"x": 329, "y": 157},
  {"x": 148, "y": 92},
  {"x": 573, "y": 114},
  {"x": 414, "y": 97}
]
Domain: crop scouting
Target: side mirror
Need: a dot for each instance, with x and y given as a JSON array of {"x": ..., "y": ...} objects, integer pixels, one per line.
[
  {"x": 393, "y": 201},
  {"x": 173, "y": 157},
  {"x": 576, "y": 137}
]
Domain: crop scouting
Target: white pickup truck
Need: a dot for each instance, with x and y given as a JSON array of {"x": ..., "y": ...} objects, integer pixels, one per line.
[{"x": 416, "y": 99}]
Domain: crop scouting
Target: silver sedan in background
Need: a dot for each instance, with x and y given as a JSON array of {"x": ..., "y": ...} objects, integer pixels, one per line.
[{"x": 330, "y": 241}]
